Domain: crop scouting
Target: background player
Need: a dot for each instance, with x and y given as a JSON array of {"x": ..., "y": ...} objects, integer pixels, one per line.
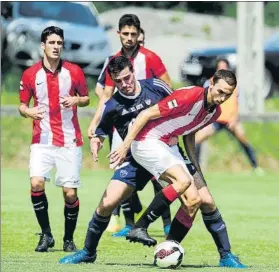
[
  {"x": 57, "y": 88},
  {"x": 229, "y": 121}
]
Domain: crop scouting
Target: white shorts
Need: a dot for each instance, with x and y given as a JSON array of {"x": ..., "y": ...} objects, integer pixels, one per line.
[
  {"x": 67, "y": 161},
  {"x": 156, "y": 156}
]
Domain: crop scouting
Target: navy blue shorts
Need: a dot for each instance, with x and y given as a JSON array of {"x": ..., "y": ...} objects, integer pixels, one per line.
[
  {"x": 219, "y": 126},
  {"x": 133, "y": 174}
]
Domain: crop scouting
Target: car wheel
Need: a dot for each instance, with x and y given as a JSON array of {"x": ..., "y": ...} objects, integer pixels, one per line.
[{"x": 268, "y": 84}]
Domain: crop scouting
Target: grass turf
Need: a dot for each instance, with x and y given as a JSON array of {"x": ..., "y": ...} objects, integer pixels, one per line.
[{"x": 249, "y": 204}]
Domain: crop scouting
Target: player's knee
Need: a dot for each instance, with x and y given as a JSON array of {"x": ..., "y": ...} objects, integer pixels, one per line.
[
  {"x": 37, "y": 184},
  {"x": 194, "y": 203},
  {"x": 208, "y": 204},
  {"x": 106, "y": 207},
  {"x": 183, "y": 183}
]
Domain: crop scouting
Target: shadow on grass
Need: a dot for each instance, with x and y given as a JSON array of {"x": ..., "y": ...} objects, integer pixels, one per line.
[{"x": 152, "y": 265}]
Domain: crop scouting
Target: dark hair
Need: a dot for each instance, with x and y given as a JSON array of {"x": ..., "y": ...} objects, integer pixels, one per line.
[
  {"x": 117, "y": 64},
  {"x": 129, "y": 20},
  {"x": 226, "y": 75},
  {"x": 222, "y": 59},
  {"x": 51, "y": 30},
  {"x": 142, "y": 31}
]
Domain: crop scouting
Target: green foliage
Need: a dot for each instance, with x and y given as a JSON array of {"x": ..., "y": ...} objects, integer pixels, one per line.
[
  {"x": 249, "y": 205},
  {"x": 176, "y": 19},
  {"x": 263, "y": 137},
  {"x": 206, "y": 29}
]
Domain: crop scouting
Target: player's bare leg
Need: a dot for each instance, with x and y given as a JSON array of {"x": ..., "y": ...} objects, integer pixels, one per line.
[
  {"x": 180, "y": 182},
  {"x": 213, "y": 221}
]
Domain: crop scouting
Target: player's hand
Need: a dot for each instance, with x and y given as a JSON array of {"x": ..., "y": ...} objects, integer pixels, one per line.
[
  {"x": 118, "y": 156},
  {"x": 68, "y": 101},
  {"x": 95, "y": 145},
  {"x": 91, "y": 130},
  {"x": 173, "y": 141},
  {"x": 35, "y": 113}
]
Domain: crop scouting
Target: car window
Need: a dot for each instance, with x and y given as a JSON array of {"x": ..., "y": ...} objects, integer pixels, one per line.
[
  {"x": 273, "y": 41},
  {"x": 61, "y": 11}
]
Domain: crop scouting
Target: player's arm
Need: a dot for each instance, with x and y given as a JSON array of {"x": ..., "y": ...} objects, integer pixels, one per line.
[
  {"x": 166, "y": 78},
  {"x": 118, "y": 156},
  {"x": 107, "y": 94},
  {"x": 25, "y": 95},
  {"x": 159, "y": 70},
  {"x": 189, "y": 144},
  {"x": 104, "y": 127}
]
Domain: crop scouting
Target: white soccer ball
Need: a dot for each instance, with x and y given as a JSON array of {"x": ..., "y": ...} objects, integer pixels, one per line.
[{"x": 168, "y": 254}]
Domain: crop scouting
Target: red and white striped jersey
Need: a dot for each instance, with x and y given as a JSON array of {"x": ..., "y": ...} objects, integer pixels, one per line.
[
  {"x": 60, "y": 125},
  {"x": 146, "y": 65},
  {"x": 182, "y": 112}
]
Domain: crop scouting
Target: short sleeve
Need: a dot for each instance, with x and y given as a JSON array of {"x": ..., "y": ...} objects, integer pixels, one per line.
[
  {"x": 25, "y": 91},
  {"x": 108, "y": 81},
  {"x": 102, "y": 77},
  {"x": 81, "y": 86},
  {"x": 106, "y": 122},
  {"x": 156, "y": 65}
]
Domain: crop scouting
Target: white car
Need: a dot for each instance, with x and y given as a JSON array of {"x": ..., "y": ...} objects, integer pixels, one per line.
[{"x": 86, "y": 41}]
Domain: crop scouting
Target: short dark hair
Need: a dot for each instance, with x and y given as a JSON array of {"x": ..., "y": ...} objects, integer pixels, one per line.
[
  {"x": 226, "y": 75},
  {"x": 222, "y": 59},
  {"x": 52, "y": 30},
  {"x": 129, "y": 20},
  {"x": 117, "y": 64},
  {"x": 142, "y": 31}
]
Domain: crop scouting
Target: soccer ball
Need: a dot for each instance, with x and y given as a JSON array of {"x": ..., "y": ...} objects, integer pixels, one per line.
[{"x": 168, "y": 254}]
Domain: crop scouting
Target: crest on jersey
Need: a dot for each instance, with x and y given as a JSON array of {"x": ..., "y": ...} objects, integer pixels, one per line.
[
  {"x": 123, "y": 173},
  {"x": 172, "y": 104},
  {"x": 148, "y": 102}
]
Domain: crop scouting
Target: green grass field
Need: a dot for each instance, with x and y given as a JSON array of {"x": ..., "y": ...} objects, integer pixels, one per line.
[{"x": 249, "y": 205}]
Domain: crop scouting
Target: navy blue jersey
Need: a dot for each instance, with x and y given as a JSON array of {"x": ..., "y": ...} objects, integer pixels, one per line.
[{"x": 120, "y": 110}]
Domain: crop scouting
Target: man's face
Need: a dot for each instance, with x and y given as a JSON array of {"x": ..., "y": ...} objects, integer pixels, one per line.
[
  {"x": 128, "y": 37},
  {"x": 141, "y": 39},
  {"x": 220, "y": 92},
  {"x": 125, "y": 82},
  {"x": 53, "y": 46},
  {"x": 222, "y": 66}
]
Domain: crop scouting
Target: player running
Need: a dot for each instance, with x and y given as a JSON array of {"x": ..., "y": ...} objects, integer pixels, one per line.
[{"x": 228, "y": 121}]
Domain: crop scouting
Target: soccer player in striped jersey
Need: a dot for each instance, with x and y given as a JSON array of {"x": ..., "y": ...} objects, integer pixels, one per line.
[
  {"x": 119, "y": 111},
  {"x": 57, "y": 88},
  {"x": 184, "y": 112}
]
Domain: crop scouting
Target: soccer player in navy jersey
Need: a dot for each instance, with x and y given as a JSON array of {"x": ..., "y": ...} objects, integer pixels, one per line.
[
  {"x": 146, "y": 64},
  {"x": 183, "y": 112},
  {"x": 119, "y": 111}
]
